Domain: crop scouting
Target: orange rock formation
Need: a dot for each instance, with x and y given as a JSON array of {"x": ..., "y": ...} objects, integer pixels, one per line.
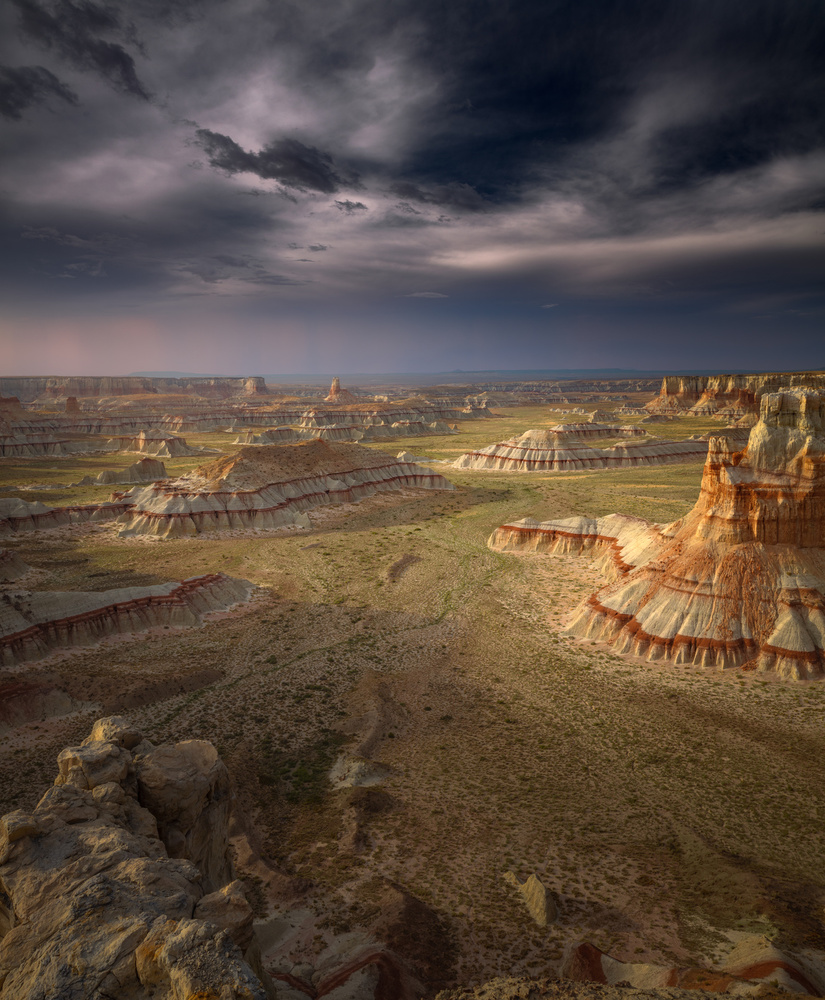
[
  {"x": 339, "y": 395},
  {"x": 739, "y": 581}
]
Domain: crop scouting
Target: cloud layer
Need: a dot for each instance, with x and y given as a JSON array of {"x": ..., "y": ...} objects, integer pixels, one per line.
[{"x": 555, "y": 171}]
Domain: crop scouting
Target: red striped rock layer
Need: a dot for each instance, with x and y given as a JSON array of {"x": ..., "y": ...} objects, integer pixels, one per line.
[
  {"x": 753, "y": 964},
  {"x": 741, "y": 579},
  {"x": 620, "y": 542},
  {"x": 552, "y": 451},
  {"x": 20, "y": 515},
  {"x": 269, "y": 487},
  {"x": 35, "y": 624}
]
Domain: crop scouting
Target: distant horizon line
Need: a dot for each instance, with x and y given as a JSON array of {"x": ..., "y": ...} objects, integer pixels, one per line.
[{"x": 523, "y": 373}]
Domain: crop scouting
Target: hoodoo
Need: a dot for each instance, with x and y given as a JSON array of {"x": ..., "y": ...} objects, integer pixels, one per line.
[
  {"x": 741, "y": 579},
  {"x": 268, "y": 487},
  {"x": 339, "y": 395}
]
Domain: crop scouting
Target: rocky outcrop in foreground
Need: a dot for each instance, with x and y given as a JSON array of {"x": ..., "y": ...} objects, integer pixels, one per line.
[
  {"x": 118, "y": 884},
  {"x": 32, "y": 625},
  {"x": 269, "y": 487},
  {"x": 739, "y": 581}
]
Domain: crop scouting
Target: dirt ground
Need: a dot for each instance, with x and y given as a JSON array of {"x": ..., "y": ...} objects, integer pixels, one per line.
[{"x": 663, "y": 806}]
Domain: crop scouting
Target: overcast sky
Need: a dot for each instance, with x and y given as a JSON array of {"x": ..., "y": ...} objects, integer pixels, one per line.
[{"x": 248, "y": 186}]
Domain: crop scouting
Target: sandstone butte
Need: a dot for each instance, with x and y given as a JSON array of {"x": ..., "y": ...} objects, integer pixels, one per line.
[
  {"x": 268, "y": 487},
  {"x": 565, "y": 447},
  {"x": 32, "y": 625},
  {"x": 145, "y": 470},
  {"x": 726, "y": 396},
  {"x": 740, "y": 580}
]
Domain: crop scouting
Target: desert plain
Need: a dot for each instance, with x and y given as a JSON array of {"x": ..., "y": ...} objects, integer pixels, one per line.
[{"x": 669, "y": 810}]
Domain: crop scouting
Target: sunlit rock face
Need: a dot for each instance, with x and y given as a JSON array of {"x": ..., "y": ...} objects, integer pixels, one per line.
[
  {"x": 728, "y": 396},
  {"x": 270, "y": 486},
  {"x": 741, "y": 579}
]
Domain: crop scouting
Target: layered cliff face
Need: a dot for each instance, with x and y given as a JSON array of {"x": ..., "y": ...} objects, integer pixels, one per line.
[
  {"x": 32, "y": 625},
  {"x": 119, "y": 883},
  {"x": 741, "y": 579},
  {"x": 269, "y": 487},
  {"x": 566, "y": 447},
  {"x": 21, "y": 515},
  {"x": 730, "y": 396}
]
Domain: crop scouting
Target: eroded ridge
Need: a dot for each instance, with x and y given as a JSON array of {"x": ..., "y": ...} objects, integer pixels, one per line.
[
  {"x": 741, "y": 579},
  {"x": 32, "y": 625},
  {"x": 269, "y": 487},
  {"x": 565, "y": 448}
]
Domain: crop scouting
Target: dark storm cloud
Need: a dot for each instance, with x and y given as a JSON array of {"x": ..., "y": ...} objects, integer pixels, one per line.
[
  {"x": 454, "y": 195},
  {"x": 606, "y": 149},
  {"x": 81, "y": 32},
  {"x": 348, "y": 207},
  {"x": 285, "y": 160},
  {"x": 25, "y": 86}
]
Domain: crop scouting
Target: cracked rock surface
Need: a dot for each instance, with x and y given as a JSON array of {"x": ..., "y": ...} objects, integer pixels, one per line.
[{"x": 111, "y": 887}]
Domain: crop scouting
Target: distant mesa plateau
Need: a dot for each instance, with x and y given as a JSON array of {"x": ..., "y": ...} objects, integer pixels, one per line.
[
  {"x": 739, "y": 581},
  {"x": 565, "y": 448},
  {"x": 268, "y": 487},
  {"x": 31, "y": 388}
]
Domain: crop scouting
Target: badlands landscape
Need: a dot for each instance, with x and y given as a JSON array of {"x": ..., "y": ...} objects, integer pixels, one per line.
[{"x": 405, "y": 691}]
